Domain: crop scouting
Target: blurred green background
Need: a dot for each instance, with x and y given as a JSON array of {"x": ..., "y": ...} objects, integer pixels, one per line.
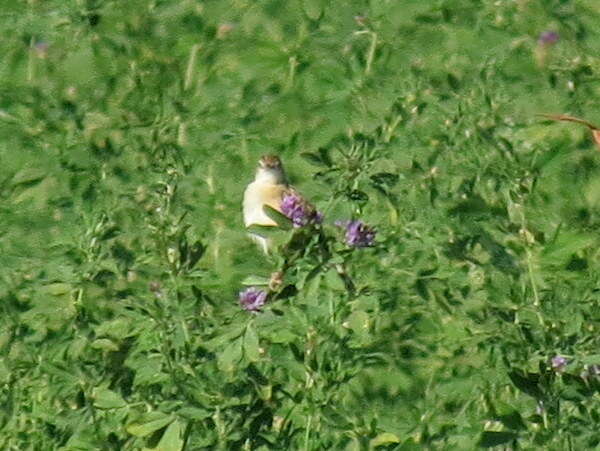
[{"x": 128, "y": 126}]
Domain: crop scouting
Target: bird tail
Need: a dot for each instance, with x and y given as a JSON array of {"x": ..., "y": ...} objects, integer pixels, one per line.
[{"x": 263, "y": 242}]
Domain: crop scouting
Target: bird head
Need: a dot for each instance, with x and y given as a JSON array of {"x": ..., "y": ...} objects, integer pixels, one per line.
[{"x": 270, "y": 170}]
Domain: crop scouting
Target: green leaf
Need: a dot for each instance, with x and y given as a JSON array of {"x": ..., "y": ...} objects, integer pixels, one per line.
[
  {"x": 316, "y": 159},
  {"x": 149, "y": 423},
  {"x": 281, "y": 335},
  {"x": 383, "y": 439},
  {"x": 107, "y": 399},
  {"x": 358, "y": 196},
  {"x": 251, "y": 344},
  {"x": 104, "y": 344},
  {"x": 256, "y": 281},
  {"x": 474, "y": 205},
  {"x": 387, "y": 179},
  {"x": 527, "y": 383},
  {"x": 283, "y": 222},
  {"x": 313, "y": 8},
  {"x": 149, "y": 371},
  {"x": 230, "y": 357},
  {"x": 358, "y": 322},
  {"x": 510, "y": 417},
  {"x": 118, "y": 328},
  {"x": 58, "y": 289},
  {"x": 195, "y": 253},
  {"x": 65, "y": 376},
  {"x": 29, "y": 175},
  {"x": 172, "y": 439},
  {"x": 266, "y": 231},
  {"x": 453, "y": 82},
  {"x": 334, "y": 281},
  {"x": 492, "y": 438},
  {"x": 593, "y": 359},
  {"x": 38, "y": 194},
  {"x": 225, "y": 337},
  {"x": 576, "y": 388},
  {"x": 4, "y": 372},
  {"x": 194, "y": 413},
  {"x": 560, "y": 251}
]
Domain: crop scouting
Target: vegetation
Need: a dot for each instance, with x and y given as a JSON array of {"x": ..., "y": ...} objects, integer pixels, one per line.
[{"x": 128, "y": 133}]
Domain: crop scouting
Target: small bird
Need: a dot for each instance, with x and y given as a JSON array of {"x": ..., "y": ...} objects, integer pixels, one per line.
[{"x": 268, "y": 188}]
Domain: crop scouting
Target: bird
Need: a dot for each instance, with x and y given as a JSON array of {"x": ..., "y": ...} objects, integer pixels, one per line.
[
  {"x": 565, "y": 118},
  {"x": 269, "y": 187}
]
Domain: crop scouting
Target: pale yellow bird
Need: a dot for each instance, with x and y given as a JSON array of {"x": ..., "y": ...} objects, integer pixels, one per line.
[{"x": 268, "y": 188}]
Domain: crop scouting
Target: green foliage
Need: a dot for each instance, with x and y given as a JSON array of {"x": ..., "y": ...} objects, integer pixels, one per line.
[{"x": 129, "y": 131}]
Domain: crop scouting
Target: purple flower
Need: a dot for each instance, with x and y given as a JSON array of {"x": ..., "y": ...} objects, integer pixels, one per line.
[
  {"x": 548, "y": 38},
  {"x": 299, "y": 211},
  {"x": 558, "y": 363},
  {"x": 358, "y": 234},
  {"x": 252, "y": 299}
]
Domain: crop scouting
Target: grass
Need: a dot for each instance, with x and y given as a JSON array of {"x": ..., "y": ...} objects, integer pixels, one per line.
[{"x": 128, "y": 134}]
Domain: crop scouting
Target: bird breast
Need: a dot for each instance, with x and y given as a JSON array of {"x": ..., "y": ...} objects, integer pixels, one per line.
[{"x": 256, "y": 196}]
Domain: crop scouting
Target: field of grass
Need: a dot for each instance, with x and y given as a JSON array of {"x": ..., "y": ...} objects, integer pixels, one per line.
[{"x": 128, "y": 132}]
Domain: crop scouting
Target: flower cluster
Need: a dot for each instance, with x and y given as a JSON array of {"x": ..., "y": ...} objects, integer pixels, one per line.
[
  {"x": 548, "y": 38},
  {"x": 589, "y": 372},
  {"x": 252, "y": 299},
  {"x": 358, "y": 234},
  {"x": 299, "y": 211},
  {"x": 558, "y": 363}
]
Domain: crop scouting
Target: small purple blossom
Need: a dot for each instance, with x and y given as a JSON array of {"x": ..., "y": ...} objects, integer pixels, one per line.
[
  {"x": 301, "y": 213},
  {"x": 358, "y": 234},
  {"x": 252, "y": 299},
  {"x": 558, "y": 363},
  {"x": 548, "y": 38}
]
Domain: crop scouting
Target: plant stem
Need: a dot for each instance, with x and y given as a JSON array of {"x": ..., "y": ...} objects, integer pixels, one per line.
[
  {"x": 371, "y": 52},
  {"x": 307, "y": 435},
  {"x": 189, "y": 72}
]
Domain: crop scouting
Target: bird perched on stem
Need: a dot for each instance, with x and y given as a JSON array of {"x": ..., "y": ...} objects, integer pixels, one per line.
[
  {"x": 565, "y": 118},
  {"x": 270, "y": 188}
]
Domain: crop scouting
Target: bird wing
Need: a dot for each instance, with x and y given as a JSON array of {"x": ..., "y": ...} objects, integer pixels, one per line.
[
  {"x": 272, "y": 195},
  {"x": 291, "y": 190}
]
